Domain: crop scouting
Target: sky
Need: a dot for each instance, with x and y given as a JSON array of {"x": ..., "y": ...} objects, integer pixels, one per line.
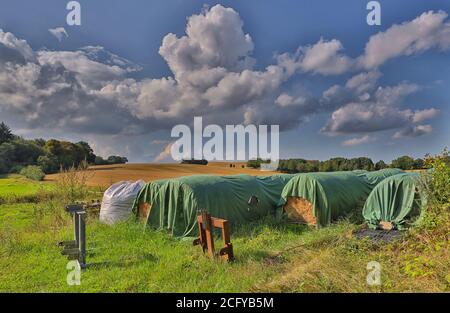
[{"x": 134, "y": 69}]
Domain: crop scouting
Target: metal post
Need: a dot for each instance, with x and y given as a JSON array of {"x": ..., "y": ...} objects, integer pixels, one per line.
[
  {"x": 82, "y": 238},
  {"x": 76, "y": 227}
]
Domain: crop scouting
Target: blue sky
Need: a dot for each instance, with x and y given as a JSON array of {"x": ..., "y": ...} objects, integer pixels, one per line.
[{"x": 415, "y": 121}]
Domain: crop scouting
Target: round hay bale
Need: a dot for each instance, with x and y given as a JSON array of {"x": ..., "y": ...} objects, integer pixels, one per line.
[
  {"x": 144, "y": 209},
  {"x": 300, "y": 210}
]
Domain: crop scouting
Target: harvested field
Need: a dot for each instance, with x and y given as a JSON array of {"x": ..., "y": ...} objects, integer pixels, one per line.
[{"x": 106, "y": 175}]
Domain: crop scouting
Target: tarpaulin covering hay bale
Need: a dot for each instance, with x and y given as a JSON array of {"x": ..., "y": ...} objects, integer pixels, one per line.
[
  {"x": 376, "y": 177},
  {"x": 145, "y": 198},
  {"x": 394, "y": 203},
  {"x": 320, "y": 198},
  {"x": 237, "y": 198}
]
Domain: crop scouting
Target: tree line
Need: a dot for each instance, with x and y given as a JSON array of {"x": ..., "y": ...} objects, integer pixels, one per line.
[
  {"x": 50, "y": 156},
  {"x": 340, "y": 164}
]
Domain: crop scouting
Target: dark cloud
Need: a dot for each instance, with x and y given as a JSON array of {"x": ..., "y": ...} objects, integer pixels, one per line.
[{"x": 413, "y": 131}]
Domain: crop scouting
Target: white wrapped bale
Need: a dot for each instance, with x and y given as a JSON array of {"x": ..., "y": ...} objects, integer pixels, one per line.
[{"x": 118, "y": 201}]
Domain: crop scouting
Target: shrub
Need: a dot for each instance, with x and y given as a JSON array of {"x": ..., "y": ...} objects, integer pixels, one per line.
[
  {"x": 72, "y": 183},
  {"x": 33, "y": 172},
  {"x": 16, "y": 168},
  {"x": 435, "y": 186}
]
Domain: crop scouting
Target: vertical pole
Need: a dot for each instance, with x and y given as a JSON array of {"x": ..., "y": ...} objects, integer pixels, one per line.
[
  {"x": 202, "y": 234},
  {"x": 226, "y": 232},
  {"x": 76, "y": 226},
  {"x": 82, "y": 242},
  {"x": 227, "y": 240},
  {"x": 209, "y": 234}
]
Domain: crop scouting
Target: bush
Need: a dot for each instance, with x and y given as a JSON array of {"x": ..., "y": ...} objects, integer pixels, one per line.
[
  {"x": 435, "y": 186},
  {"x": 33, "y": 172},
  {"x": 16, "y": 168},
  {"x": 72, "y": 183}
]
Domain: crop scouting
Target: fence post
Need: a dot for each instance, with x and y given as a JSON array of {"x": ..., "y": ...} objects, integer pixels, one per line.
[{"x": 82, "y": 238}]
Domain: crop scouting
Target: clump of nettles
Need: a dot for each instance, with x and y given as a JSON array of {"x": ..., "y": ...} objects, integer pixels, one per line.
[
  {"x": 70, "y": 187},
  {"x": 436, "y": 188},
  {"x": 72, "y": 183}
]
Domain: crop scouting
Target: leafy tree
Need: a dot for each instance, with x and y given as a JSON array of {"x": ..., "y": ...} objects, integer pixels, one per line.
[
  {"x": 100, "y": 161},
  {"x": 17, "y": 153},
  {"x": 404, "y": 162},
  {"x": 39, "y": 142},
  {"x": 380, "y": 165},
  {"x": 5, "y": 133},
  {"x": 115, "y": 159},
  {"x": 67, "y": 153},
  {"x": 7, "y": 155},
  {"x": 88, "y": 152},
  {"x": 256, "y": 163},
  {"x": 419, "y": 164},
  {"x": 48, "y": 163},
  {"x": 292, "y": 166},
  {"x": 326, "y": 166}
]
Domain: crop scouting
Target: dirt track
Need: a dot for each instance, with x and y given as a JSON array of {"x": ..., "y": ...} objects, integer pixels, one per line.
[{"x": 106, "y": 175}]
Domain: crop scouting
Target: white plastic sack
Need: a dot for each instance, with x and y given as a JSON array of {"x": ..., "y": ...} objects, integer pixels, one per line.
[{"x": 118, "y": 201}]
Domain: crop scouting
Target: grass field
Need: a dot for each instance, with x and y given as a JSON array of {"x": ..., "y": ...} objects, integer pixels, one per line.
[
  {"x": 106, "y": 175},
  {"x": 270, "y": 256},
  {"x": 16, "y": 188}
]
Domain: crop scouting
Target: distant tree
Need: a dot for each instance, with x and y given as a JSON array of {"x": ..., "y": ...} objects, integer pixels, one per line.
[
  {"x": 48, "y": 163},
  {"x": 39, "y": 142},
  {"x": 313, "y": 166},
  {"x": 404, "y": 162},
  {"x": 326, "y": 166},
  {"x": 380, "y": 165},
  {"x": 292, "y": 166},
  {"x": 419, "y": 164},
  {"x": 87, "y": 151},
  {"x": 100, "y": 161},
  {"x": 67, "y": 153},
  {"x": 256, "y": 163},
  {"x": 115, "y": 159},
  {"x": 364, "y": 163},
  {"x": 5, "y": 133},
  {"x": 7, "y": 156},
  {"x": 197, "y": 162},
  {"x": 17, "y": 153}
]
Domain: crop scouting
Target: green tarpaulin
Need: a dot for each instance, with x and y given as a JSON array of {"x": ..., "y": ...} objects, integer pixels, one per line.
[
  {"x": 395, "y": 200},
  {"x": 376, "y": 177},
  {"x": 174, "y": 203},
  {"x": 149, "y": 192},
  {"x": 333, "y": 194}
]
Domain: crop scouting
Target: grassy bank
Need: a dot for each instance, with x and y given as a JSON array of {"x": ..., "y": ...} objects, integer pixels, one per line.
[{"x": 16, "y": 189}]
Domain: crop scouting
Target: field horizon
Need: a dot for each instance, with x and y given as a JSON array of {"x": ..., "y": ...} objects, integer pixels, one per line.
[{"x": 106, "y": 175}]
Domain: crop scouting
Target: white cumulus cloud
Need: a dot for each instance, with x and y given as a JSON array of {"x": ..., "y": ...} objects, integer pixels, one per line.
[
  {"x": 357, "y": 141},
  {"x": 59, "y": 32}
]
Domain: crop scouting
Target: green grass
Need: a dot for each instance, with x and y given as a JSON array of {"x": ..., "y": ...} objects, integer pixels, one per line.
[
  {"x": 270, "y": 257},
  {"x": 16, "y": 186}
]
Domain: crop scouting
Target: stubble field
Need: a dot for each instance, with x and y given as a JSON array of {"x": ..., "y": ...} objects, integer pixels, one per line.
[{"x": 106, "y": 175}]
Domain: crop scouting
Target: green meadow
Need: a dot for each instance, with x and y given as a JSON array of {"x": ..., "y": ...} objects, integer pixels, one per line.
[{"x": 270, "y": 256}]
